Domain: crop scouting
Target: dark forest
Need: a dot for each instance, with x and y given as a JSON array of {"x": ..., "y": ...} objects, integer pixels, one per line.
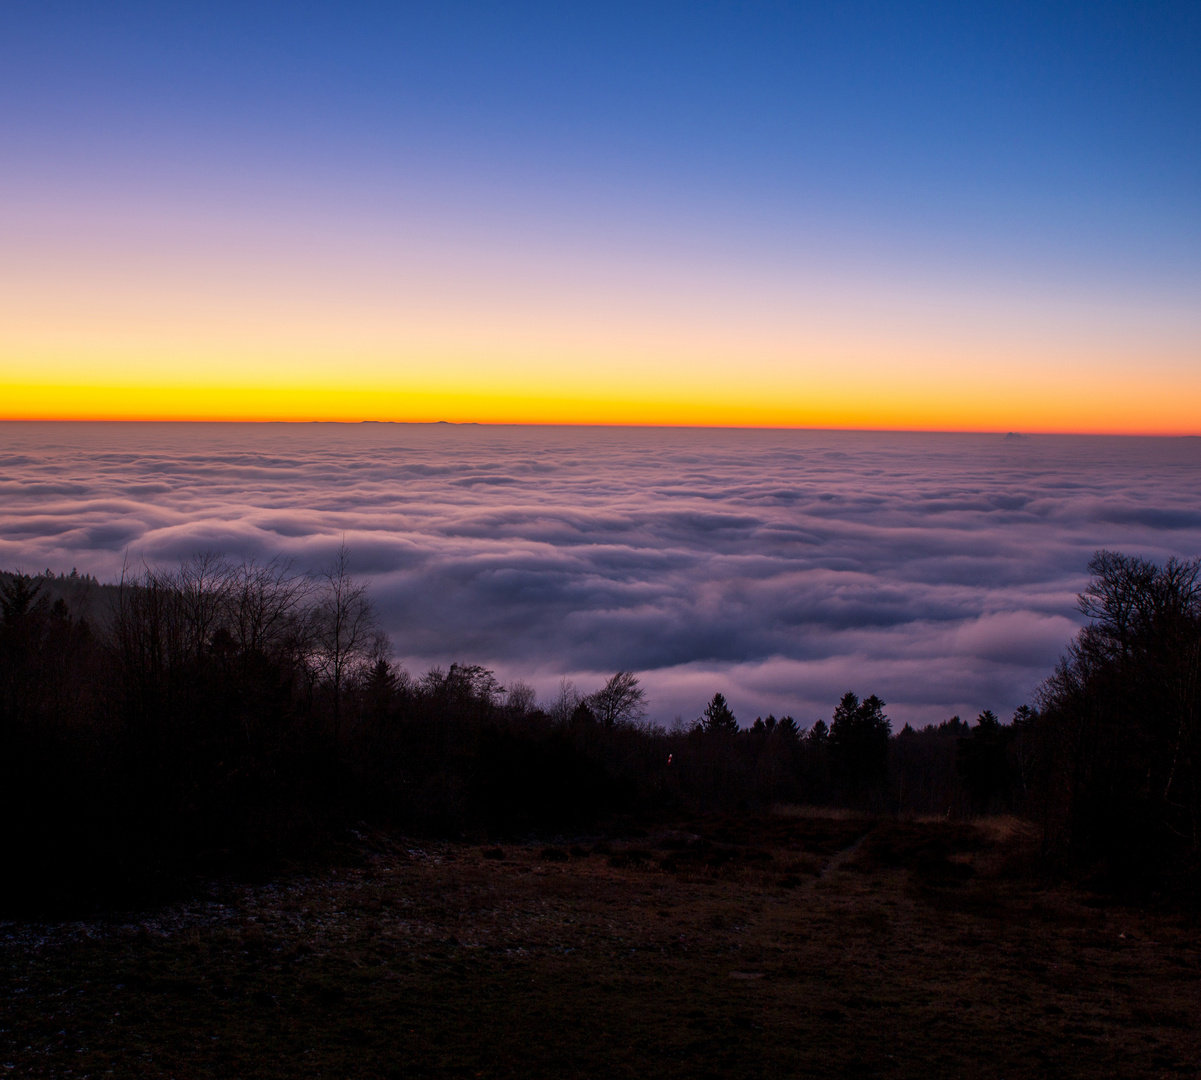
[{"x": 222, "y": 717}]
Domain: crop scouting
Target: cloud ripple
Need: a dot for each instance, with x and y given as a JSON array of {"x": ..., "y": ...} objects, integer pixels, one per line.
[{"x": 938, "y": 571}]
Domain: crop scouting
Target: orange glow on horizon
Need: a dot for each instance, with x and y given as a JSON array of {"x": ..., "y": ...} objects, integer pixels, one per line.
[
  {"x": 651, "y": 346},
  {"x": 1104, "y": 410},
  {"x": 134, "y": 325}
]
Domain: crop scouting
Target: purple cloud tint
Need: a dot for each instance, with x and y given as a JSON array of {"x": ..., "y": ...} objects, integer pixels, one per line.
[{"x": 938, "y": 571}]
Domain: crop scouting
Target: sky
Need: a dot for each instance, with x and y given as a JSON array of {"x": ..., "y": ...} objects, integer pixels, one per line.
[
  {"x": 862, "y": 215},
  {"x": 781, "y": 568}
]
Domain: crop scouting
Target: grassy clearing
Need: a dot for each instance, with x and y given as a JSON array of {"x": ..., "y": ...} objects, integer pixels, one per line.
[{"x": 790, "y": 944}]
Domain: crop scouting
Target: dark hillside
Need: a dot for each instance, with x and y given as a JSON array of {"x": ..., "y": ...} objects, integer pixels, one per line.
[{"x": 222, "y": 716}]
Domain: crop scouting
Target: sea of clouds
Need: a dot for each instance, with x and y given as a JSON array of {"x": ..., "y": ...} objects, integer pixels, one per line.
[{"x": 780, "y": 567}]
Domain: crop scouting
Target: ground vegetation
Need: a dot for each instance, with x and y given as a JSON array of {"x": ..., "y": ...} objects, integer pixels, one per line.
[{"x": 796, "y": 942}]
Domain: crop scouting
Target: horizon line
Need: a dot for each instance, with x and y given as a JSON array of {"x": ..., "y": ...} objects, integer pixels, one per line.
[{"x": 1013, "y": 434}]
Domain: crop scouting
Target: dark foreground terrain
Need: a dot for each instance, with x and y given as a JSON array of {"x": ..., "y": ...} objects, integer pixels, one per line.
[{"x": 791, "y": 944}]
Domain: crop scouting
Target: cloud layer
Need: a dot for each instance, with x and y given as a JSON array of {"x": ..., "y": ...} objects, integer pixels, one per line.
[{"x": 781, "y": 567}]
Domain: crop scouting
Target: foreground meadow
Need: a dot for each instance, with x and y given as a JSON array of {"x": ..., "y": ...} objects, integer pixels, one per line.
[{"x": 788, "y": 944}]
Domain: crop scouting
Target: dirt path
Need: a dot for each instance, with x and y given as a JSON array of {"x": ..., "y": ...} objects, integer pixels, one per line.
[{"x": 841, "y": 858}]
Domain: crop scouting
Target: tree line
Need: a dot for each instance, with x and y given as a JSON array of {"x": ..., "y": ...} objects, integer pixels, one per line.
[{"x": 224, "y": 712}]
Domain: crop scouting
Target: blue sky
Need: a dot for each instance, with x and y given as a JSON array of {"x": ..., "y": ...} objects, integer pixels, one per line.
[{"x": 940, "y": 120}]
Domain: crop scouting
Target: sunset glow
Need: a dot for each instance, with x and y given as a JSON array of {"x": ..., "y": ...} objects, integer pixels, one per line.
[
  {"x": 1123, "y": 406},
  {"x": 395, "y": 219}
]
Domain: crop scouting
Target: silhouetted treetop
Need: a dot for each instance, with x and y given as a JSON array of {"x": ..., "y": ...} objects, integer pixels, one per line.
[
  {"x": 859, "y": 733},
  {"x": 1118, "y": 722},
  {"x": 620, "y": 701},
  {"x": 718, "y": 719},
  {"x": 18, "y": 597}
]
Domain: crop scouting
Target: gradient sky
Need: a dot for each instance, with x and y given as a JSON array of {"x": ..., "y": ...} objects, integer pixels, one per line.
[{"x": 868, "y": 215}]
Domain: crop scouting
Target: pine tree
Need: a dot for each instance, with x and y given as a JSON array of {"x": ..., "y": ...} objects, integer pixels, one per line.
[{"x": 718, "y": 718}]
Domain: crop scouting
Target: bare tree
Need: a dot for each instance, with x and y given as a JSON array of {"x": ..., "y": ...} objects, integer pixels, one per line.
[
  {"x": 344, "y": 629},
  {"x": 264, "y": 604},
  {"x": 520, "y": 699},
  {"x": 201, "y": 588},
  {"x": 620, "y": 701},
  {"x": 565, "y": 702},
  {"x": 147, "y": 640}
]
